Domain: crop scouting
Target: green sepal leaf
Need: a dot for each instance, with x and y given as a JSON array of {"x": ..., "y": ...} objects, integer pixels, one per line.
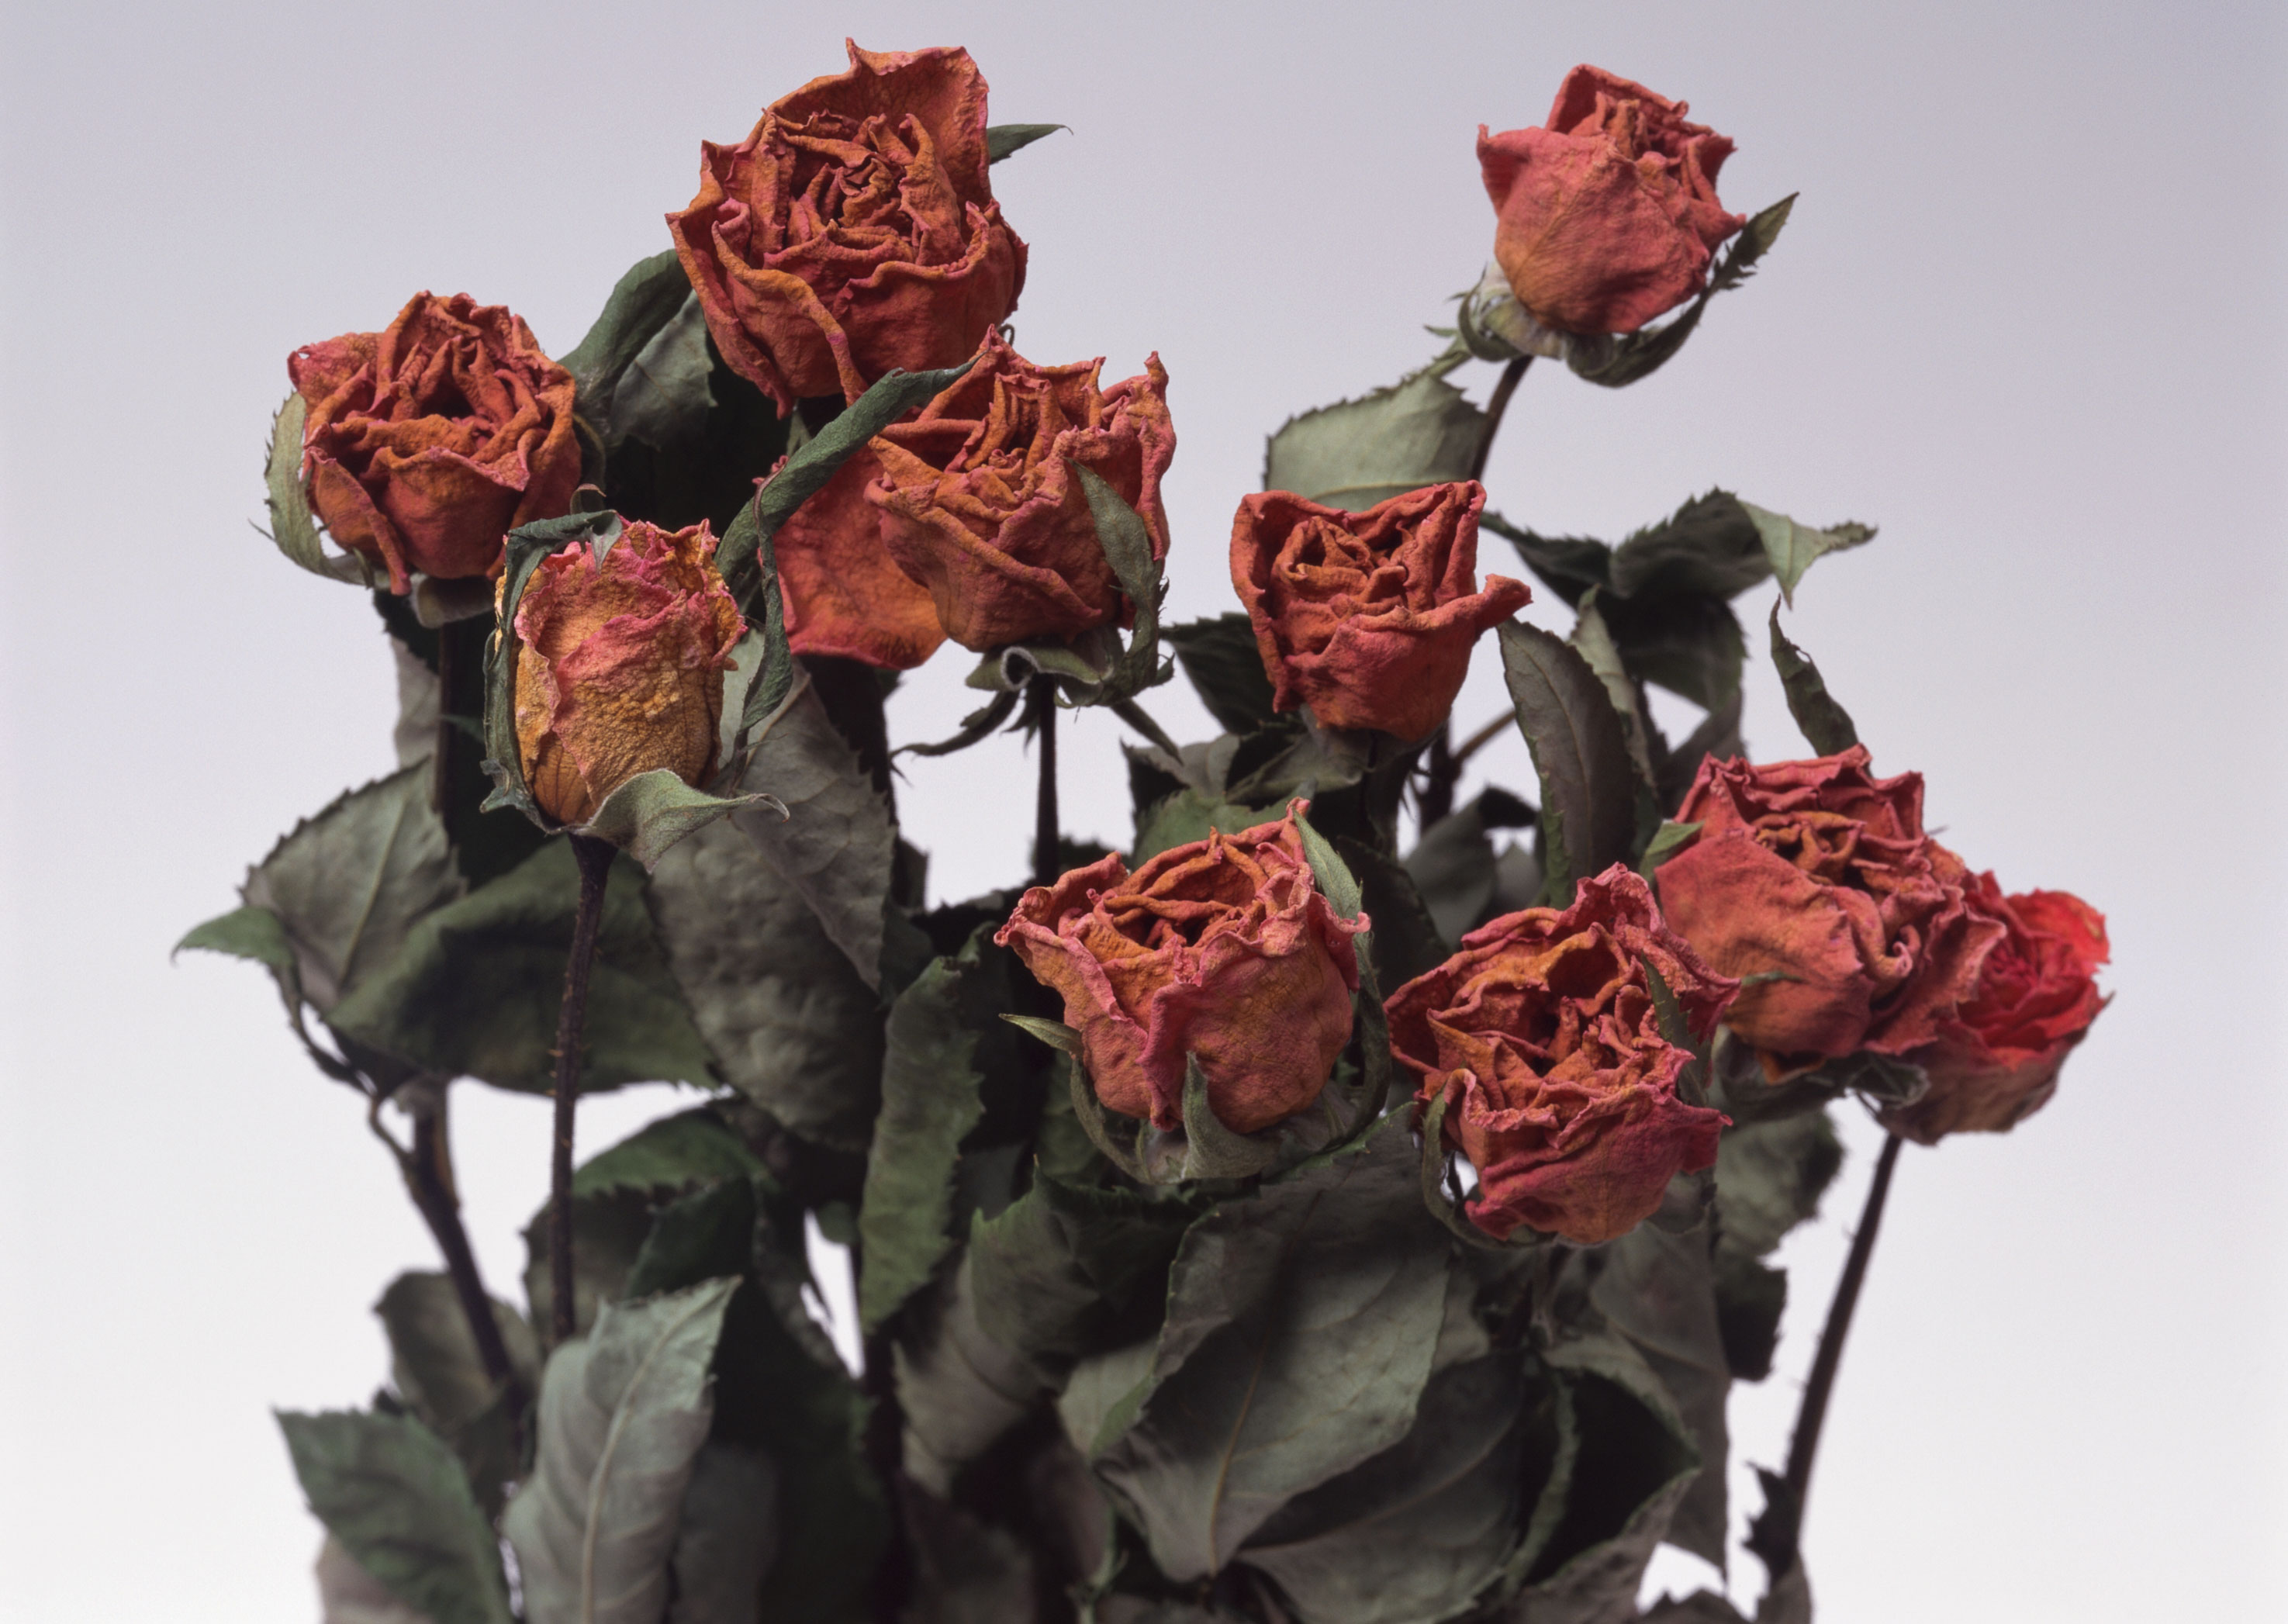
[
  {"x": 1824, "y": 721},
  {"x": 1127, "y": 542},
  {"x": 649, "y": 812},
  {"x": 1580, "y": 751},
  {"x": 1453, "y": 1215},
  {"x": 975, "y": 726},
  {"x": 1420, "y": 431},
  {"x": 1002, "y": 139},
  {"x": 623, "y": 1413},
  {"x": 1210, "y": 1149},
  {"x": 292, "y": 526},
  {"x": 1793, "y": 548},
  {"x": 1056, "y": 1034},
  {"x": 394, "y": 1493},
  {"x": 930, "y": 1101},
  {"x": 1639, "y": 354},
  {"x": 1336, "y": 882},
  {"x": 477, "y": 986},
  {"x": 1669, "y": 839},
  {"x": 1225, "y": 663}
]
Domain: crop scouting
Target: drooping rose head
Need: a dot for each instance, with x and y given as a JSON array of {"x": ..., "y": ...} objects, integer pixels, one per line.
[
  {"x": 1608, "y": 212},
  {"x": 1368, "y": 618},
  {"x": 980, "y": 504},
  {"x": 1224, "y": 949},
  {"x": 621, "y": 668},
  {"x": 1820, "y": 874},
  {"x": 427, "y": 442},
  {"x": 853, "y": 231},
  {"x": 1542, "y": 1037},
  {"x": 1995, "y": 1062}
]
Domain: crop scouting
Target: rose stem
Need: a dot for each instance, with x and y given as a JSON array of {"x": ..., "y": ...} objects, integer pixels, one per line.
[
  {"x": 1044, "y": 819},
  {"x": 1496, "y": 405},
  {"x": 1813, "y": 1413},
  {"x": 429, "y": 1177},
  {"x": 442, "y": 787},
  {"x": 594, "y": 857}
]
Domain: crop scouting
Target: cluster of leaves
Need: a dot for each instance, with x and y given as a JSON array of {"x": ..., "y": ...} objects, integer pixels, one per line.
[{"x": 1112, "y": 1374}]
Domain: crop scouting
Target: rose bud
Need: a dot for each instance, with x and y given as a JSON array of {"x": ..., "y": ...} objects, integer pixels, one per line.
[
  {"x": 1542, "y": 1037},
  {"x": 1996, "y": 1061},
  {"x": 1223, "y": 949},
  {"x": 1368, "y": 618},
  {"x": 1820, "y": 875},
  {"x": 853, "y": 231},
  {"x": 1608, "y": 213},
  {"x": 980, "y": 503},
  {"x": 621, "y": 668},
  {"x": 430, "y": 441}
]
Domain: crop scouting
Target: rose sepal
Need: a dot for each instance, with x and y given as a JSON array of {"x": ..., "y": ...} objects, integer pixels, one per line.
[
  {"x": 1449, "y": 1208},
  {"x": 294, "y": 529},
  {"x": 649, "y": 813},
  {"x": 1751, "y": 1090},
  {"x": 1621, "y": 360},
  {"x": 1002, "y": 141}
]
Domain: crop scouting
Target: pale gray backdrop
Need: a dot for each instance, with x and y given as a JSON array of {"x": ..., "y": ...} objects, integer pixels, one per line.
[{"x": 2028, "y": 318}]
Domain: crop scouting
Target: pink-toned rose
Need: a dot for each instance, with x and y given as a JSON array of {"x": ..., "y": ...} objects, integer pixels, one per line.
[
  {"x": 1224, "y": 949},
  {"x": 621, "y": 668},
  {"x": 1608, "y": 212},
  {"x": 1995, "y": 1062},
  {"x": 1819, "y": 873},
  {"x": 1368, "y": 618},
  {"x": 853, "y": 230},
  {"x": 427, "y": 442},
  {"x": 1542, "y": 1037}
]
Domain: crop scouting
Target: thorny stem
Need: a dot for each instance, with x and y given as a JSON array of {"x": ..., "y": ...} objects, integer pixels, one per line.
[
  {"x": 1496, "y": 406},
  {"x": 594, "y": 857},
  {"x": 1813, "y": 1411},
  {"x": 1044, "y": 697},
  {"x": 1483, "y": 737},
  {"x": 429, "y": 1176}
]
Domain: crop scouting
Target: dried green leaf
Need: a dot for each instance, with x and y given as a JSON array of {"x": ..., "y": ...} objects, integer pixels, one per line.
[
  {"x": 292, "y": 526},
  {"x": 1225, "y": 663},
  {"x": 1824, "y": 721},
  {"x": 1003, "y": 139},
  {"x": 649, "y": 812},
  {"x": 1420, "y": 431},
  {"x": 726, "y": 1536},
  {"x": 1579, "y": 749},
  {"x": 1793, "y": 548}
]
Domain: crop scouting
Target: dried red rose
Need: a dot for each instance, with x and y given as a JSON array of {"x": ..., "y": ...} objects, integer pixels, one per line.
[
  {"x": 1820, "y": 874},
  {"x": 853, "y": 231},
  {"x": 621, "y": 668},
  {"x": 1224, "y": 949},
  {"x": 980, "y": 504},
  {"x": 427, "y": 442},
  {"x": 1542, "y": 1037},
  {"x": 1608, "y": 212},
  {"x": 1368, "y": 618},
  {"x": 1995, "y": 1062},
  {"x": 844, "y": 593}
]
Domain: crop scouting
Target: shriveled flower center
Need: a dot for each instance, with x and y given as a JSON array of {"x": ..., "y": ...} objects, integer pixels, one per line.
[
  {"x": 849, "y": 188},
  {"x": 1823, "y": 844}
]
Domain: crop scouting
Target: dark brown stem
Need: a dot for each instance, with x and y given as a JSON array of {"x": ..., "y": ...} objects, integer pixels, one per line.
[
  {"x": 442, "y": 786},
  {"x": 1441, "y": 772},
  {"x": 1045, "y": 866},
  {"x": 1483, "y": 737},
  {"x": 595, "y": 859},
  {"x": 428, "y": 1172},
  {"x": 1811, "y": 1415},
  {"x": 1495, "y": 408}
]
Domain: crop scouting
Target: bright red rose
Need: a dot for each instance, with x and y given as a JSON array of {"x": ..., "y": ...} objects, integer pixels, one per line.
[
  {"x": 1368, "y": 618},
  {"x": 1608, "y": 213},
  {"x": 1820, "y": 874},
  {"x": 621, "y": 668},
  {"x": 1224, "y": 949},
  {"x": 1542, "y": 1035},
  {"x": 853, "y": 230},
  {"x": 1995, "y": 1062},
  {"x": 980, "y": 504},
  {"x": 430, "y": 441}
]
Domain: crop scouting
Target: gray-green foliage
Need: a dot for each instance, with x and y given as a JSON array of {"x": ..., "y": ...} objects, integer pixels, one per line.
[
  {"x": 393, "y": 1494},
  {"x": 929, "y": 1103},
  {"x": 785, "y": 1015},
  {"x": 1002, "y": 139},
  {"x": 1640, "y": 353},
  {"x": 959, "y": 1389},
  {"x": 1420, "y": 431},
  {"x": 1300, "y": 1327},
  {"x": 349, "y": 1594},
  {"x": 477, "y": 986},
  {"x": 292, "y": 525},
  {"x": 623, "y": 1413},
  {"x": 726, "y": 1536},
  {"x": 1579, "y": 749},
  {"x": 1818, "y": 713},
  {"x": 439, "y": 1376}
]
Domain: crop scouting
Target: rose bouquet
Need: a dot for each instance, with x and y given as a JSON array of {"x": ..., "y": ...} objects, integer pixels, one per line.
[{"x": 1313, "y": 1211}]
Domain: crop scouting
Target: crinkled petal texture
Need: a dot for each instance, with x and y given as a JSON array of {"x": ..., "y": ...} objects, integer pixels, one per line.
[
  {"x": 1542, "y": 1037},
  {"x": 1609, "y": 213},
  {"x": 1819, "y": 873},
  {"x": 980, "y": 504},
  {"x": 1997, "y": 1062},
  {"x": 427, "y": 442},
  {"x": 1224, "y": 949},
  {"x": 1368, "y": 618},
  {"x": 621, "y": 668},
  {"x": 853, "y": 231},
  {"x": 844, "y": 593}
]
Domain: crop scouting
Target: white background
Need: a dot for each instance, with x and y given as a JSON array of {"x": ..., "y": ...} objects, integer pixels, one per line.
[{"x": 2028, "y": 318}]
